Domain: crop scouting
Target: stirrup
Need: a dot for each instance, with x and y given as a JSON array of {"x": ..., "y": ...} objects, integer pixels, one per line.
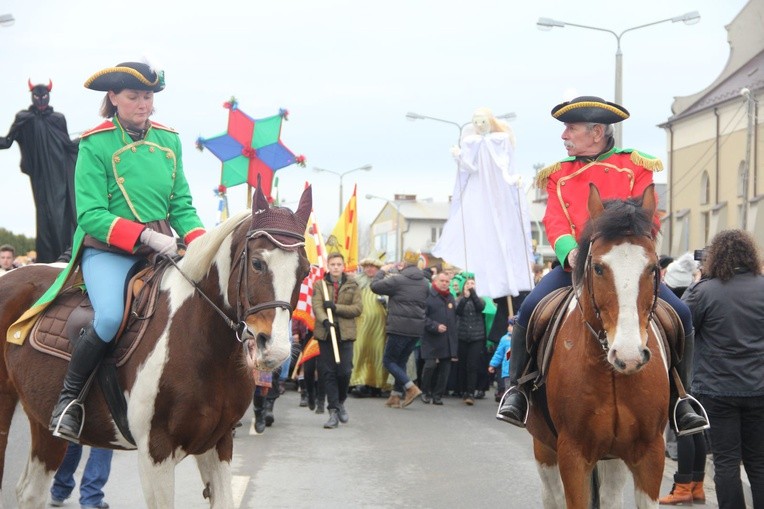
[
  {"x": 690, "y": 399},
  {"x": 502, "y": 417},
  {"x": 57, "y": 432}
]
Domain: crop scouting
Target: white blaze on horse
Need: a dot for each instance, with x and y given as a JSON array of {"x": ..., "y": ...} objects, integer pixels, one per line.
[
  {"x": 606, "y": 395},
  {"x": 220, "y": 313}
]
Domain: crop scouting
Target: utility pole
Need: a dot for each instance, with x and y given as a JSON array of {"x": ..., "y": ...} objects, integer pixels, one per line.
[{"x": 751, "y": 104}]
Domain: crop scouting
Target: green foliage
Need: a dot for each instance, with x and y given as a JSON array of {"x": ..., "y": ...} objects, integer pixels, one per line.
[{"x": 21, "y": 243}]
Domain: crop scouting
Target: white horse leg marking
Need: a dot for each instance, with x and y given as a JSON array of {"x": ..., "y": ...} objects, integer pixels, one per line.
[
  {"x": 218, "y": 474},
  {"x": 34, "y": 483},
  {"x": 612, "y": 475},
  {"x": 158, "y": 479},
  {"x": 627, "y": 263},
  {"x": 644, "y": 501},
  {"x": 283, "y": 268},
  {"x": 552, "y": 491}
]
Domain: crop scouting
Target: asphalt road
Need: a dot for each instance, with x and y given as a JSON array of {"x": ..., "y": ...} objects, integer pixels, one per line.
[{"x": 423, "y": 456}]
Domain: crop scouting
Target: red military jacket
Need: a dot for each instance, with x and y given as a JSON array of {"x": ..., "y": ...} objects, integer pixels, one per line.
[{"x": 619, "y": 173}]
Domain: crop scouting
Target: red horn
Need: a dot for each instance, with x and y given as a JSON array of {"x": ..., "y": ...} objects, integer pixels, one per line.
[
  {"x": 29, "y": 81},
  {"x": 50, "y": 85}
]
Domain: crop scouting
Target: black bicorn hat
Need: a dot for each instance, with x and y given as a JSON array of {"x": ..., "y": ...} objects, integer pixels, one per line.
[
  {"x": 589, "y": 108},
  {"x": 131, "y": 75}
]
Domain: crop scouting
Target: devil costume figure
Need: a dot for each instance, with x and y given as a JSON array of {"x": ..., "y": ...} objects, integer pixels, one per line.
[{"x": 48, "y": 156}]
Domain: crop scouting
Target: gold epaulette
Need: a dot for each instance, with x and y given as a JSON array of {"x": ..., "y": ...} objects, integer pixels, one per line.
[
  {"x": 646, "y": 161},
  {"x": 543, "y": 175},
  {"x": 163, "y": 127},
  {"x": 105, "y": 126}
]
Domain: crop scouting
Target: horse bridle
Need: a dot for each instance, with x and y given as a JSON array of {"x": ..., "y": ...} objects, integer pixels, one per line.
[
  {"x": 245, "y": 310},
  {"x": 601, "y": 335}
]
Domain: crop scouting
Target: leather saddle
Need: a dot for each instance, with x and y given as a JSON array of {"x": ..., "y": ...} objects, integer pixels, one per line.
[{"x": 62, "y": 320}]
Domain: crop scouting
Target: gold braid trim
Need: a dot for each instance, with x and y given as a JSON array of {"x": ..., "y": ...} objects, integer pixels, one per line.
[
  {"x": 129, "y": 70},
  {"x": 590, "y": 104},
  {"x": 646, "y": 161},
  {"x": 543, "y": 175}
]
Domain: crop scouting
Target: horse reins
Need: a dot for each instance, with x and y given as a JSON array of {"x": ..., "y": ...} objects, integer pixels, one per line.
[
  {"x": 601, "y": 336},
  {"x": 240, "y": 325}
]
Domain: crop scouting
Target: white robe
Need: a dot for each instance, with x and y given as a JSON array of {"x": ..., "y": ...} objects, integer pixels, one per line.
[{"x": 493, "y": 226}]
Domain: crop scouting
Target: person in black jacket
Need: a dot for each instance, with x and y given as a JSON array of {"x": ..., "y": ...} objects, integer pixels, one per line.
[
  {"x": 727, "y": 308},
  {"x": 407, "y": 290},
  {"x": 469, "y": 309},
  {"x": 440, "y": 341}
]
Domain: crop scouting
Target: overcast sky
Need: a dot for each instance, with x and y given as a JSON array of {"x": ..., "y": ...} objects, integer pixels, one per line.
[{"x": 348, "y": 71}]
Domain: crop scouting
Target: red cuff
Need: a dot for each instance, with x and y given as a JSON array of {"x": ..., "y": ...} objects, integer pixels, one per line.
[
  {"x": 193, "y": 234},
  {"x": 124, "y": 234}
]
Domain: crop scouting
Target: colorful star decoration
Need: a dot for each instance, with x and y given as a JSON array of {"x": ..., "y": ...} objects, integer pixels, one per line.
[{"x": 250, "y": 148}]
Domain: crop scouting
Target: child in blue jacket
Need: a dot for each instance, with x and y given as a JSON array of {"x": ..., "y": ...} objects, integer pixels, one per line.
[{"x": 501, "y": 358}]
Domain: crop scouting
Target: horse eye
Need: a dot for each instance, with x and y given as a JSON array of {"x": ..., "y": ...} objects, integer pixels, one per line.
[
  {"x": 598, "y": 269},
  {"x": 258, "y": 265}
]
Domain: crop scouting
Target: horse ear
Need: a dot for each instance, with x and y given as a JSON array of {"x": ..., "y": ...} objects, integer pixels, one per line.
[
  {"x": 595, "y": 202},
  {"x": 259, "y": 201},
  {"x": 305, "y": 206},
  {"x": 648, "y": 199}
]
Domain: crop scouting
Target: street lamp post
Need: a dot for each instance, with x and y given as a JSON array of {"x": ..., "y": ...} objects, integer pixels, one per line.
[
  {"x": 365, "y": 167},
  {"x": 689, "y": 18},
  {"x": 398, "y": 247}
]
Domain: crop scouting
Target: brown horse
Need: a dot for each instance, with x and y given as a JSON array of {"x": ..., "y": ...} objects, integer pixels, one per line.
[
  {"x": 605, "y": 399},
  {"x": 191, "y": 378}
]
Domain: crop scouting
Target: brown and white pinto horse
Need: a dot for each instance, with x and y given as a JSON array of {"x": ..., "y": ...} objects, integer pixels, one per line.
[
  {"x": 190, "y": 379},
  {"x": 606, "y": 400}
]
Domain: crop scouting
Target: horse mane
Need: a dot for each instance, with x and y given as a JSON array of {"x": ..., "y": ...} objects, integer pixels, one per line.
[
  {"x": 202, "y": 251},
  {"x": 621, "y": 218}
]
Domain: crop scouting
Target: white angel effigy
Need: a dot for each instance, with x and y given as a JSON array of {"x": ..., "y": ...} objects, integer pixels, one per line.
[{"x": 488, "y": 231}]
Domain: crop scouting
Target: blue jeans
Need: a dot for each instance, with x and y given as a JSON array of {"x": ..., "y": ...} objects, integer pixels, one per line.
[
  {"x": 93, "y": 478},
  {"x": 397, "y": 352},
  {"x": 106, "y": 275},
  {"x": 736, "y": 437}
]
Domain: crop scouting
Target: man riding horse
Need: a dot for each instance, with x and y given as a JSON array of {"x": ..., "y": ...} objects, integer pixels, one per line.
[{"x": 617, "y": 173}]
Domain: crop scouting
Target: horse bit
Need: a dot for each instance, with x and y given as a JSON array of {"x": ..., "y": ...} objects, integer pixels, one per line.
[
  {"x": 601, "y": 336},
  {"x": 240, "y": 325}
]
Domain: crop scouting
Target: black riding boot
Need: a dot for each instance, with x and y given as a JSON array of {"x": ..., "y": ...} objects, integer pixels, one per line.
[
  {"x": 88, "y": 351},
  {"x": 687, "y": 420},
  {"x": 259, "y": 403},
  {"x": 514, "y": 404},
  {"x": 303, "y": 392}
]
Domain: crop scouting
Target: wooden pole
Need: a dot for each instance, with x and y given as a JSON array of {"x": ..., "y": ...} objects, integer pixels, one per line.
[{"x": 332, "y": 332}]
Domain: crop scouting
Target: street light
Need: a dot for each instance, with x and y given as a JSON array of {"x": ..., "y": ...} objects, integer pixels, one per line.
[
  {"x": 6, "y": 20},
  {"x": 365, "y": 167},
  {"x": 398, "y": 246},
  {"x": 689, "y": 18}
]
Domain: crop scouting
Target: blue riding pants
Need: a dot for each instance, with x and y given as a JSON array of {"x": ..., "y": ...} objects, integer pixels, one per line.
[
  {"x": 559, "y": 278},
  {"x": 106, "y": 276}
]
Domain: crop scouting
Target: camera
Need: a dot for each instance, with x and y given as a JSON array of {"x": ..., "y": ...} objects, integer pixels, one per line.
[{"x": 700, "y": 255}]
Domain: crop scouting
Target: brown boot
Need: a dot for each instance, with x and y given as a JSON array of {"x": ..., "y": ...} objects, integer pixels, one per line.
[
  {"x": 698, "y": 493},
  {"x": 412, "y": 393},
  {"x": 681, "y": 492},
  {"x": 394, "y": 401}
]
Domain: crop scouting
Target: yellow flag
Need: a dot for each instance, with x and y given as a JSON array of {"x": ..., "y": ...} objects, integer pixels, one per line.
[
  {"x": 344, "y": 237},
  {"x": 314, "y": 243}
]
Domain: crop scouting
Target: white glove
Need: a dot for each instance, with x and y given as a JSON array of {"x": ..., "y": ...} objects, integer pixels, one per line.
[
  {"x": 159, "y": 242},
  {"x": 456, "y": 152},
  {"x": 515, "y": 180}
]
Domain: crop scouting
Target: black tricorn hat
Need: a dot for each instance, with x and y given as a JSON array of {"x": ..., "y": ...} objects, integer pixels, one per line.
[
  {"x": 132, "y": 75},
  {"x": 589, "y": 108}
]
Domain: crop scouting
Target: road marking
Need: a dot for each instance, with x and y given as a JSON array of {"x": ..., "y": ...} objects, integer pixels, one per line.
[{"x": 238, "y": 487}]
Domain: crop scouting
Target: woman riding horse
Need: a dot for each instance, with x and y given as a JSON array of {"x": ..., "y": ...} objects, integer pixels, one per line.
[
  {"x": 130, "y": 188},
  {"x": 617, "y": 173}
]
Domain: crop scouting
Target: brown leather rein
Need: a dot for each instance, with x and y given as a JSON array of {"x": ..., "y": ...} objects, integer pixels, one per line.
[
  {"x": 601, "y": 334},
  {"x": 246, "y": 309}
]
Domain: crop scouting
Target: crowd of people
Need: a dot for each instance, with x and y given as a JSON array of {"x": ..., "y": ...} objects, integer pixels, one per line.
[{"x": 400, "y": 330}]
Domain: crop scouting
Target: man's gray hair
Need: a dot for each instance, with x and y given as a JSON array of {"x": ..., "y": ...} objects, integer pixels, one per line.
[{"x": 607, "y": 129}]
